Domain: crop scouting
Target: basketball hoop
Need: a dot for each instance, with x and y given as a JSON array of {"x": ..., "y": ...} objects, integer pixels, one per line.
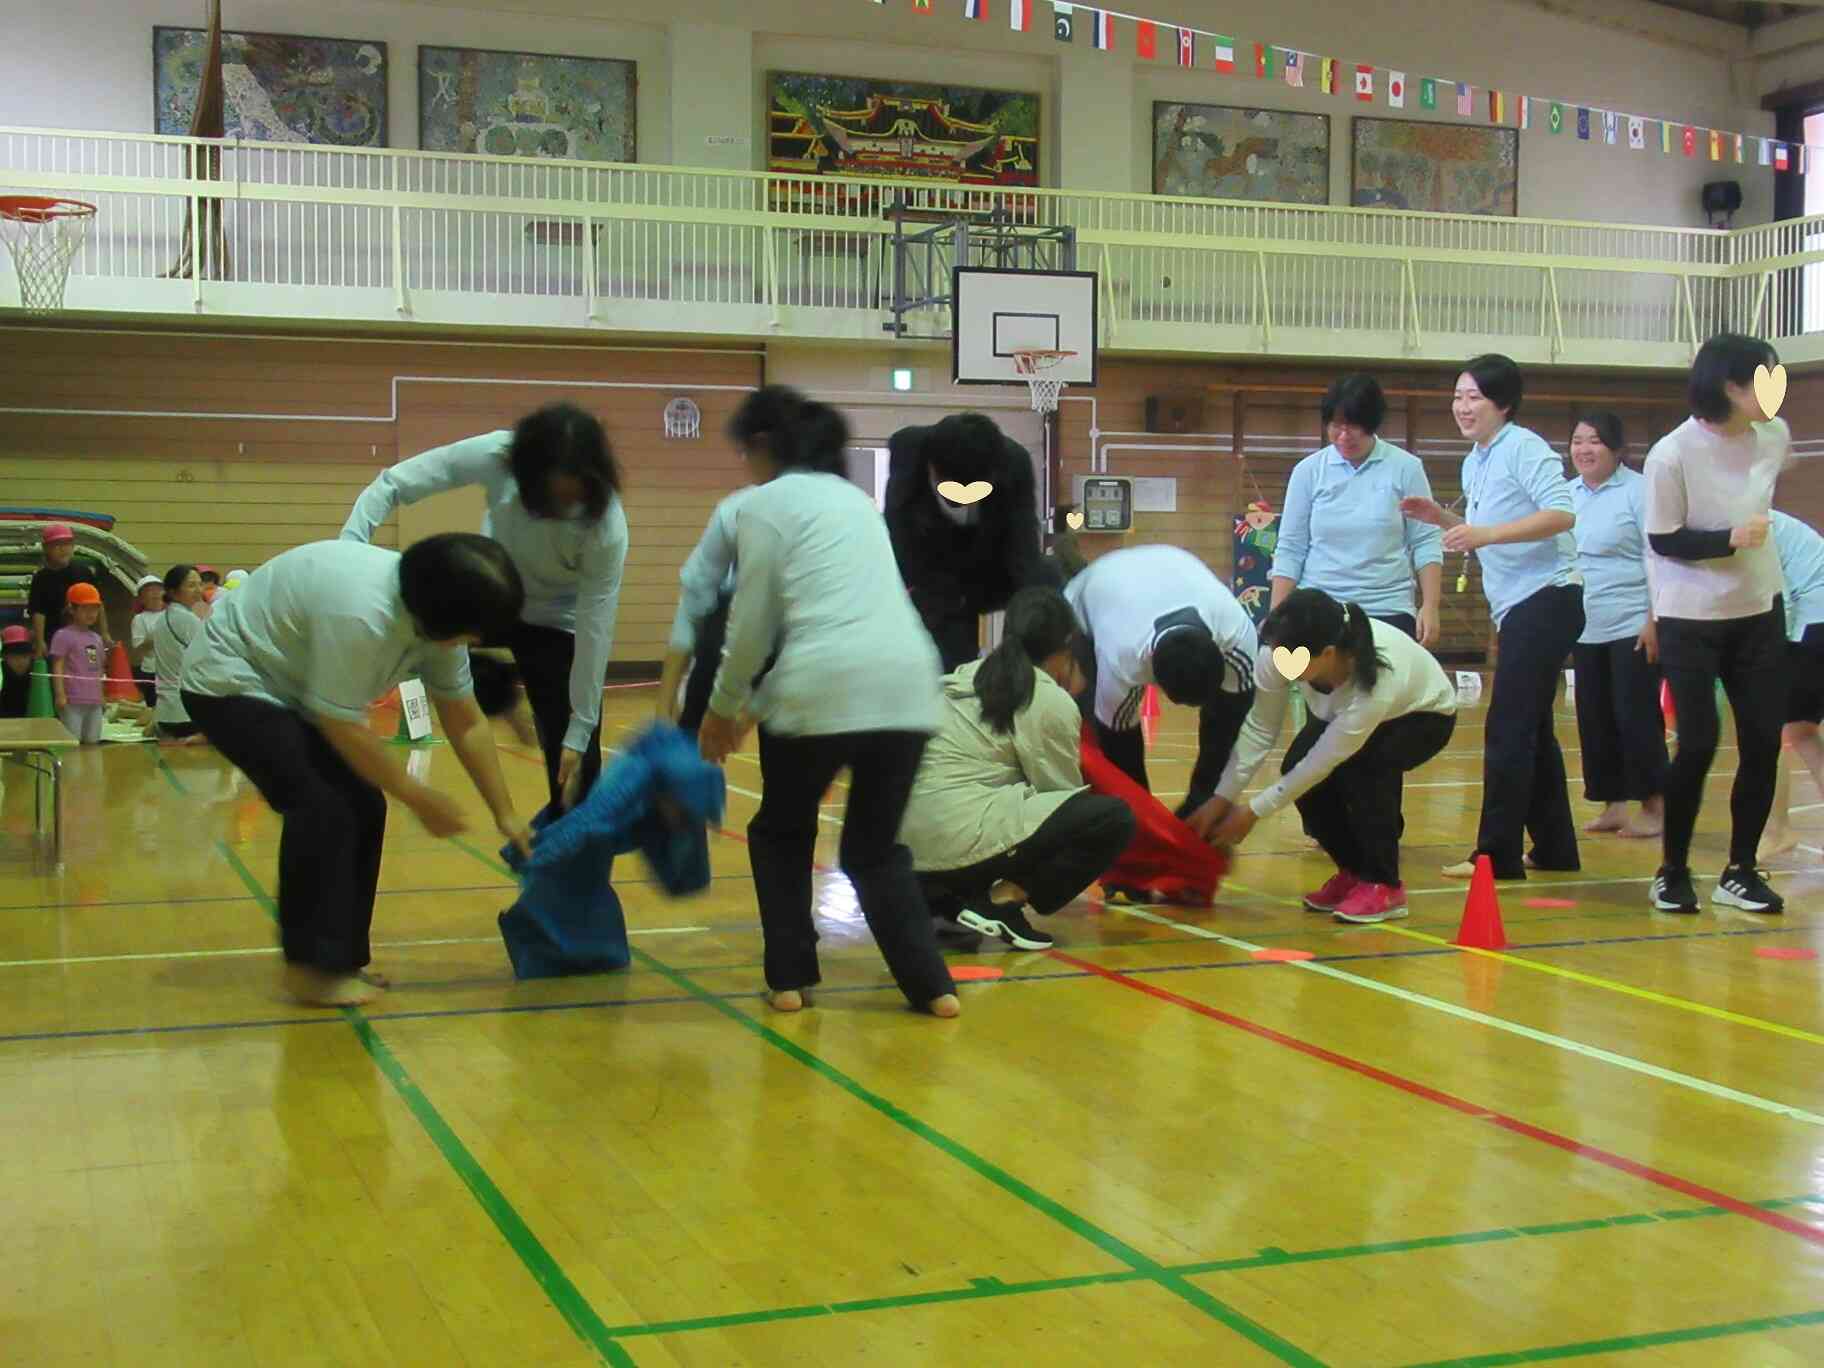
[
  {"x": 43, "y": 236},
  {"x": 1033, "y": 363},
  {"x": 683, "y": 419}
]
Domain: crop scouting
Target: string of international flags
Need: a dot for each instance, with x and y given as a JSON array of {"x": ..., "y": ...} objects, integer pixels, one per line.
[{"x": 1333, "y": 76}]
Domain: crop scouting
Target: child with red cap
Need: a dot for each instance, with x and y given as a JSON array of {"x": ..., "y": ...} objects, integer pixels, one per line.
[
  {"x": 76, "y": 666},
  {"x": 51, "y": 585},
  {"x": 16, "y": 678}
]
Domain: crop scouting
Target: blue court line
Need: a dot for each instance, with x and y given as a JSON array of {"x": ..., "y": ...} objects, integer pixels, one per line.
[{"x": 520, "y": 1009}]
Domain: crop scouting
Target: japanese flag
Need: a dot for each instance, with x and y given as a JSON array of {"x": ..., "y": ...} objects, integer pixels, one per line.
[{"x": 1396, "y": 89}]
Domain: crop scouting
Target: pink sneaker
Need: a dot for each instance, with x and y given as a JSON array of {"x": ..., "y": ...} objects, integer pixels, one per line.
[
  {"x": 1331, "y": 895},
  {"x": 1372, "y": 902}
]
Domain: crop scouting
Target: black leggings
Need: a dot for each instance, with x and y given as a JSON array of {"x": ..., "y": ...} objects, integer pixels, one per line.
[
  {"x": 333, "y": 824},
  {"x": 1749, "y": 656},
  {"x": 544, "y": 656},
  {"x": 1064, "y": 855}
]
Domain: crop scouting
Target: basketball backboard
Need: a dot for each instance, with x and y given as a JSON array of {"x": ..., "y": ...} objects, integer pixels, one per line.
[{"x": 998, "y": 312}]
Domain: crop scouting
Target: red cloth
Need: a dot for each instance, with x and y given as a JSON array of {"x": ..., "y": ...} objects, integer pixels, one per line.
[{"x": 1166, "y": 857}]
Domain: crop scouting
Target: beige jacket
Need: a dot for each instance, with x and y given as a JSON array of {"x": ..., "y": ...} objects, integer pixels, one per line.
[{"x": 979, "y": 794}]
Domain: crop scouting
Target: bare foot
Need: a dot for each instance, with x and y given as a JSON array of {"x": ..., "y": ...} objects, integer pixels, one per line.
[
  {"x": 1646, "y": 826},
  {"x": 789, "y": 1000},
  {"x": 1614, "y": 817},
  {"x": 1006, "y": 893},
  {"x": 314, "y": 988},
  {"x": 375, "y": 977},
  {"x": 945, "y": 1006},
  {"x": 1777, "y": 843}
]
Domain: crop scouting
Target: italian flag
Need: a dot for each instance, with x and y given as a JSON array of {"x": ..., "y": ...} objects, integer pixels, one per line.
[{"x": 1225, "y": 54}]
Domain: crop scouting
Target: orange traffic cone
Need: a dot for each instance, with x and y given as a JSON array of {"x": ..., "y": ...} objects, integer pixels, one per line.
[
  {"x": 1666, "y": 710},
  {"x": 1481, "y": 928},
  {"x": 119, "y": 686},
  {"x": 1149, "y": 704}
]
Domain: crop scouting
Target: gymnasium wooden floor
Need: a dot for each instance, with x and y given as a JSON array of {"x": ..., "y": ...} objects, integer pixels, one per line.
[{"x": 1144, "y": 1147}]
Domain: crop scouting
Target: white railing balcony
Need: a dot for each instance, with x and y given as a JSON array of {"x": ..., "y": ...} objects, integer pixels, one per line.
[{"x": 314, "y": 233}]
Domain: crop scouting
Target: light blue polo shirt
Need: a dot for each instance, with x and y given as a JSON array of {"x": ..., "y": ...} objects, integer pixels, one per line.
[
  {"x": 1342, "y": 530},
  {"x": 321, "y": 629},
  {"x": 1612, "y": 556},
  {"x": 1802, "y": 565},
  {"x": 1513, "y": 477}
]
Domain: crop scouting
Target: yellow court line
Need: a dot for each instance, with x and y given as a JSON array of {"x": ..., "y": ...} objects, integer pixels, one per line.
[
  {"x": 1590, "y": 980},
  {"x": 1628, "y": 989}
]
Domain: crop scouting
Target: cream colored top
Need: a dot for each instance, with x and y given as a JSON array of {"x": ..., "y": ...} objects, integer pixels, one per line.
[
  {"x": 1700, "y": 479},
  {"x": 979, "y": 794}
]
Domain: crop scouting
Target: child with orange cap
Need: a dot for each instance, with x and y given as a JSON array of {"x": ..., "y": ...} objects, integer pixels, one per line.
[{"x": 76, "y": 666}]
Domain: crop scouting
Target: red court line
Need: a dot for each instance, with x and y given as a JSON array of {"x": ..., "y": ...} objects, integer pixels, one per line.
[{"x": 1671, "y": 1182}]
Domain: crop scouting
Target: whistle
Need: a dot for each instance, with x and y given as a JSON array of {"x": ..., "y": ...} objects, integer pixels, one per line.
[{"x": 1462, "y": 583}]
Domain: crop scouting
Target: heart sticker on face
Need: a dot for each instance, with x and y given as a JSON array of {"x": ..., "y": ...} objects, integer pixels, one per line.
[
  {"x": 1770, "y": 389},
  {"x": 1292, "y": 664},
  {"x": 1074, "y": 521},
  {"x": 965, "y": 493}
]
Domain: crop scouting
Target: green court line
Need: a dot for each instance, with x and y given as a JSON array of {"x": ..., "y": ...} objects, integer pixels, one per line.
[
  {"x": 1283, "y": 1350},
  {"x": 1625, "y": 1343},
  {"x": 1266, "y": 1258},
  {"x": 583, "y": 1319},
  {"x": 563, "y": 1294}
]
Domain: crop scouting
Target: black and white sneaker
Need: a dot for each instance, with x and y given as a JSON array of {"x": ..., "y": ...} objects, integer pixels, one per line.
[
  {"x": 1010, "y": 924},
  {"x": 1672, "y": 891},
  {"x": 1743, "y": 886}
]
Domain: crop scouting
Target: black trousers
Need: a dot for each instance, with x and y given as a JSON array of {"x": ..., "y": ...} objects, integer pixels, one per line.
[
  {"x": 1218, "y": 725},
  {"x": 704, "y": 662},
  {"x": 957, "y": 632},
  {"x": 333, "y": 825},
  {"x": 1406, "y": 622},
  {"x": 1524, "y": 789},
  {"x": 1619, "y": 722},
  {"x": 1356, "y": 813},
  {"x": 796, "y": 772},
  {"x": 544, "y": 656},
  {"x": 1749, "y": 656},
  {"x": 1066, "y": 854}
]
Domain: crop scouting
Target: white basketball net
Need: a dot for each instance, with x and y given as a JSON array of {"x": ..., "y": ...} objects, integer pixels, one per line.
[
  {"x": 43, "y": 245},
  {"x": 1034, "y": 365}
]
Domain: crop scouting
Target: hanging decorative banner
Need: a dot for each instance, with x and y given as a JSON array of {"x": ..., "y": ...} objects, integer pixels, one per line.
[
  {"x": 1256, "y": 539},
  {"x": 1502, "y": 105}
]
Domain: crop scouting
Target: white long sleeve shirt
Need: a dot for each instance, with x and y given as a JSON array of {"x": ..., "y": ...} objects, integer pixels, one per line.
[
  {"x": 1411, "y": 681},
  {"x": 815, "y": 574},
  {"x": 571, "y": 567},
  {"x": 1128, "y": 599}
]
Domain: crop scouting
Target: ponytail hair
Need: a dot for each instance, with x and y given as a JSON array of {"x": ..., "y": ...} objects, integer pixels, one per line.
[
  {"x": 1039, "y": 624},
  {"x": 1312, "y": 619}
]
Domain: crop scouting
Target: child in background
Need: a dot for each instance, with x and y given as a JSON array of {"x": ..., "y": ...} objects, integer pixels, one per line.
[
  {"x": 16, "y": 682},
  {"x": 76, "y": 666},
  {"x": 150, "y": 602},
  {"x": 212, "y": 585},
  {"x": 51, "y": 585}
]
